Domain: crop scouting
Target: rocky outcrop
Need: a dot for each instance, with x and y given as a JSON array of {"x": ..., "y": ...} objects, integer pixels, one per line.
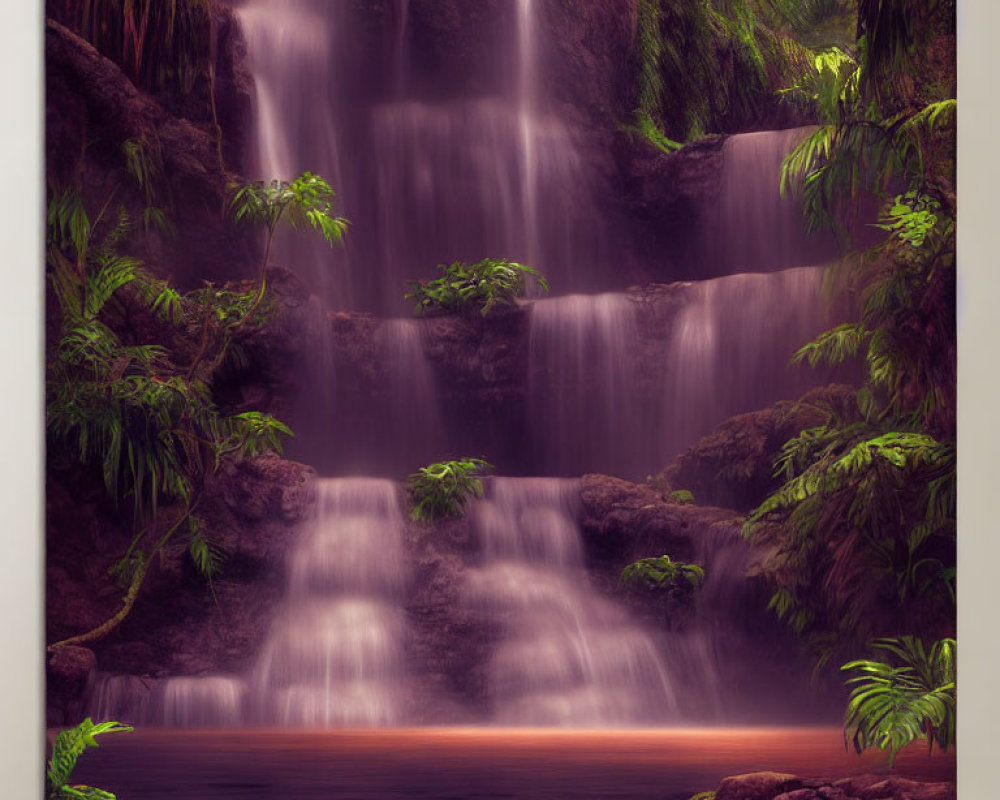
[
  {"x": 668, "y": 204},
  {"x": 782, "y": 786},
  {"x": 93, "y": 109},
  {"x": 181, "y": 624},
  {"x": 449, "y": 643},
  {"x": 269, "y": 374},
  {"x": 624, "y": 521},
  {"x": 734, "y": 466}
]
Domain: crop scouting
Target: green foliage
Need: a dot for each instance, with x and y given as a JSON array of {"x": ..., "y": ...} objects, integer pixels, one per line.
[
  {"x": 710, "y": 795},
  {"x": 894, "y": 704},
  {"x": 682, "y": 496},
  {"x": 722, "y": 60},
  {"x": 141, "y": 412},
  {"x": 160, "y": 44},
  {"x": 865, "y": 518},
  {"x": 443, "y": 489},
  {"x": 306, "y": 200},
  {"x": 70, "y": 744},
  {"x": 484, "y": 284},
  {"x": 661, "y": 573},
  {"x": 911, "y": 217}
]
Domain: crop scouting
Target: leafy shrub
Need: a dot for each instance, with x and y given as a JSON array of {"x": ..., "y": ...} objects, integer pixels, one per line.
[
  {"x": 892, "y": 706},
  {"x": 305, "y": 201},
  {"x": 682, "y": 496},
  {"x": 660, "y": 572},
  {"x": 442, "y": 489},
  {"x": 69, "y": 746},
  {"x": 486, "y": 283},
  {"x": 142, "y": 412}
]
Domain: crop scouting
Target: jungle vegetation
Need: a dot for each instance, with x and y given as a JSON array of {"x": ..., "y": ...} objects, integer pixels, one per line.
[
  {"x": 141, "y": 409},
  {"x": 864, "y": 524},
  {"x": 443, "y": 489},
  {"x": 483, "y": 285}
]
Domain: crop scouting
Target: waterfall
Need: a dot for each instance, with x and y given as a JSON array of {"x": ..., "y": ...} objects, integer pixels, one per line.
[
  {"x": 425, "y": 176},
  {"x": 567, "y": 656},
  {"x": 433, "y": 167},
  {"x": 291, "y": 45},
  {"x": 583, "y": 405},
  {"x": 757, "y": 229},
  {"x": 383, "y": 420},
  {"x": 615, "y": 389},
  {"x": 335, "y": 654}
]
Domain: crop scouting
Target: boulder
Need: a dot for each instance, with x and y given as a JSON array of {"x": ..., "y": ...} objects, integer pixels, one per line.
[
  {"x": 733, "y": 466},
  {"x": 623, "y": 521},
  {"x": 757, "y": 786},
  {"x": 67, "y": 673}
]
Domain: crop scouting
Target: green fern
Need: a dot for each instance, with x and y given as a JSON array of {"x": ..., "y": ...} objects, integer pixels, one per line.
[
  {"x": 661, "y": 572},
  {"x": 147, "y": 422},
  {"x": 70, "y": 744},
  {"x": 485, "y": 284},
  {"x": 443, "y": 489}
]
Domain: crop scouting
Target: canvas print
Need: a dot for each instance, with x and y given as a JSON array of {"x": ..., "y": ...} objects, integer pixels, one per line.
[{"x": 500, "y": 398}]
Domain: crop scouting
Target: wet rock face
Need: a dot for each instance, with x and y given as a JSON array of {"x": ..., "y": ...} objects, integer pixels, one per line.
[
  {"x": 67, "y": 673},
  {"x": 180, "y": 624},
  {"x": 733, "y": 466},
  {"x": 625, "y": 521},
  {"x": 448, "y": 643},
  {"x": 92, "y": 109}
]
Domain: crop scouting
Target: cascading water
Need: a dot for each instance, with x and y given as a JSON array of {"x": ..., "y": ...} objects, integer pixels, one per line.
[
  {"x": 426, "y": 177},
  {"x": 612, "y": 393},
  {"x": 582, "y": 384},
  {"x": 757, "y": 229},
  {"x": 291, "y": 45},
  {"x": 389, "y": 423},
  {"x": 335, "y": 655},
  {"x": 568, "y": 656},
  {"x": 429, "y": 172}
]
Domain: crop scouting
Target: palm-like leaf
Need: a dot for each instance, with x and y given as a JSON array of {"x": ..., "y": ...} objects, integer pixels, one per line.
[{"x": 893, "y": 706}]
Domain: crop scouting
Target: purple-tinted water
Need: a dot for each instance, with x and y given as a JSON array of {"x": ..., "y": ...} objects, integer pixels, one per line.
[
  {"x": 756, "y": 229},
  {"x": 425, "y": 176},
  {"x": 471, "y": 764},
  {"x": 567, "y": 657},
  {"x": 614, "y": 391}
]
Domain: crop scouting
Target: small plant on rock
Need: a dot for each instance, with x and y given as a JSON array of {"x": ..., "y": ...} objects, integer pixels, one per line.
[
  {"x": 682, "y": 496},
  {"x": 305, "y": 201},
  {"x": 660, "y": 572},
  {"x": 443, "y": 489},
  {"x": 68, "y": 747},
  {"x": 486, "y": 283}
]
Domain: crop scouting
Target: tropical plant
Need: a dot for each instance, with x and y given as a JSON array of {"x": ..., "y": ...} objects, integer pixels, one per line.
[
  {"x": 894, "y": 704},
  {"x": 132, "y": 408},
  {"x": 485, "y": 284},
  {"x": 305, "y": 201},
  {"x": 865, "y": 521},
  {"x": 443, "y": 489},
  {"x": 661, "y": 573},
  {"x": 859, "y": 149},
  {"x": 70, "y": 744},
  {"x": 721, "y": 60}
]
